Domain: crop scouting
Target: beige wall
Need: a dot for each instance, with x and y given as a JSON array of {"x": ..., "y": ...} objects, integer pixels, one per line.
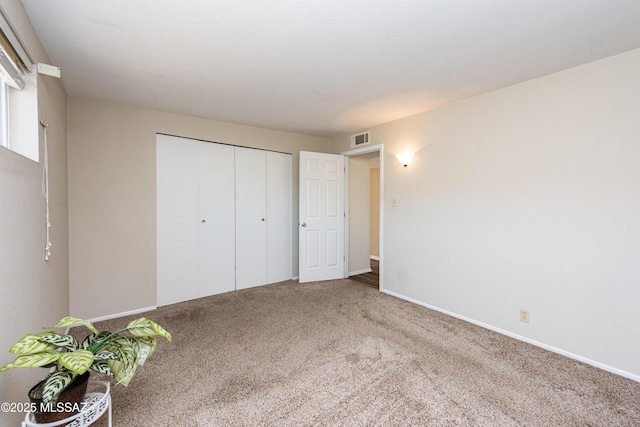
[
  {"x": 359, "y": 215},
  {"x": 112, "y": 197},
  {"x": 374, "y": 210},
  {"x": 33, "y": 293},
  {"x": 527, "y": 197}
]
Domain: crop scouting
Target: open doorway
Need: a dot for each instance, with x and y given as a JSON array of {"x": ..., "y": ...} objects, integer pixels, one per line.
[{"x": 363, "y": 231}]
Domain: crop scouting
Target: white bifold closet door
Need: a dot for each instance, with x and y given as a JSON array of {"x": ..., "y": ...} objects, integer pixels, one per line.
[
  {"x": 263, "y": 217},
  {"x": 279, "y": 217},
  {"x": 216, "y": 240},
  {"x": 195, "y": 217},
  {"x": 251, "y": 218},
  {"x": 223, "y": 218}
]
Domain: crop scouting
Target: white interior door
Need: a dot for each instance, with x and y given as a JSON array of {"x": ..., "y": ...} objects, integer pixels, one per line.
[
  {"x": 321, "y": 222},
  {"x": 251, "y": 217}
]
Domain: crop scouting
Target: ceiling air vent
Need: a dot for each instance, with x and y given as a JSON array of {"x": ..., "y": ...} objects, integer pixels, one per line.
[{"x": 360, "y": 139}]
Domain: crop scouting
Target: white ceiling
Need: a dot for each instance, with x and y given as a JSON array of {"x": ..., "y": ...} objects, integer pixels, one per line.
[{"x": 319, "y": 67}]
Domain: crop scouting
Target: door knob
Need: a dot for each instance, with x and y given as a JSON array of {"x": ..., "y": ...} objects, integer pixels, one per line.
[
  {"x": 204, "y": 221},
  {"x": 304, "y": 224}
]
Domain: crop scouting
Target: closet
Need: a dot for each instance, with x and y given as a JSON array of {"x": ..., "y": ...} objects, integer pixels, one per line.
[{"x": 223, "y": 218}]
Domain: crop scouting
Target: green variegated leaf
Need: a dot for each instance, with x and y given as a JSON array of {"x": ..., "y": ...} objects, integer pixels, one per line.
[
  {"x": 102, "y": 368},
  {"x": 55, "y": 384},
  {"x": 104, "y": 355},
  {"x": 121, "y": 372},
  {"x": 68, "y": 342},
  {"x": 33, "y": 360},
  {"x": 146, "y": 346},
  {"x": 144, "y": 327},
  {"x": 126, "y": 350},
  {"x": 117, "y": 350},
  {"x": 77, "y": 361},
  {"x": 126, "y": 347},
  {"x": 30, "y": 344},
  {"x": 69, "y": 322},
  {"x": 92, "y": 339}
]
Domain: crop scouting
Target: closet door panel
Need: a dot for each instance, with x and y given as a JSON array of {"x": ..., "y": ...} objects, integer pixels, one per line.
[
  {"x": 251, "y": 236},
  {"x": 216, "y": 257},
  {"x": 177, "y": 219},
  {"x": 279, "y": 206}
]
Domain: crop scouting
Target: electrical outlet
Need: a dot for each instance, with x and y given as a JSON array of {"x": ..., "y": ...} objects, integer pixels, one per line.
[
  {"x": 394, "y": 203},
  {"x": 524, "y": 316}
]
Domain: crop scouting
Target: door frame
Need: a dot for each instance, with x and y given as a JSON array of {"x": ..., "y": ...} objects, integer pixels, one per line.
[{"x": 356, "y": 152}]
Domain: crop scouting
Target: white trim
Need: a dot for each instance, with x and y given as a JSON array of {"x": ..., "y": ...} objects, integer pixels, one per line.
[
  {"x": 381, "y": 232},
  {"x": 345, "y": 263},
  {"x": 364, "y": 150},
  {"x": 363, "y": 271},
  {"x": 126, "y": 313},
  {"x": 521, "y": 338}
]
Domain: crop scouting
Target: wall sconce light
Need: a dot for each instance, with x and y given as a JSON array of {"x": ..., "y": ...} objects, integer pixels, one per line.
[{"x": 404, "y": 158}]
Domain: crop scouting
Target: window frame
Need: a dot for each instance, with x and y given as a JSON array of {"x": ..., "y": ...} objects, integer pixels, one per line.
[{"x": 5, "y": 141}]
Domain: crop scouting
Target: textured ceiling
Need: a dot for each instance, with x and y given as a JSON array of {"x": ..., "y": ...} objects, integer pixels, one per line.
[{"x": 319, "y": 67}]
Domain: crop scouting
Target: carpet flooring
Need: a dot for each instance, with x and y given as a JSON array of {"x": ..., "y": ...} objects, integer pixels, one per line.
[{"x": 341, "y": 353}]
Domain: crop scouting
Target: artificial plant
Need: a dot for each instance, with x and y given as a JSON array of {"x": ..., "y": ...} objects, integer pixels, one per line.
[{"x": 116, "y": 354}]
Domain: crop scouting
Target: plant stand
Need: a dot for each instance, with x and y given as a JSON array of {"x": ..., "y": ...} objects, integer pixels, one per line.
[{"x": 94, "y": 405}]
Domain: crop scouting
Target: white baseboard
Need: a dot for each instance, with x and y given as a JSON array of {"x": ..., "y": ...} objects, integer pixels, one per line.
[
  {"x": 126, "y": 313},
  {"x": 377, "y": 258},
  {"x": 355, "y": 273},
  {"x": 521, "y": 338}
]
